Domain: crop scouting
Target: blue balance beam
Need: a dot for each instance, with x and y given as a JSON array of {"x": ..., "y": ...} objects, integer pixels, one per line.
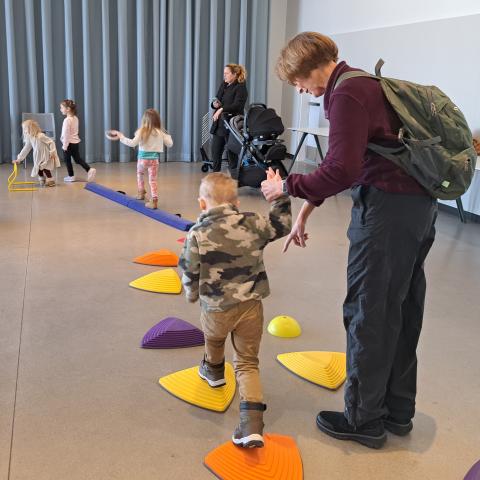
[{"x": 138, "y": 206}]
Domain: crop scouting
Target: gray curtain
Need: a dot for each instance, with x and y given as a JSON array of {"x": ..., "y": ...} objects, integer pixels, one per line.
[{"x": 116, "y": 58}]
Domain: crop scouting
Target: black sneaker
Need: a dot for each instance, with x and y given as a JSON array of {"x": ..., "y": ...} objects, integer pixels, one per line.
[
  {"x": 372, "y": 434},
  {"x": 213, "y": 374},
  {"x": 249, "y": 432},
  {"x": 396, "y": 427}
]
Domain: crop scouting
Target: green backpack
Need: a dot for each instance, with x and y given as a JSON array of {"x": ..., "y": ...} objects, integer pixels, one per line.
[{"x": 437, "y": 145}]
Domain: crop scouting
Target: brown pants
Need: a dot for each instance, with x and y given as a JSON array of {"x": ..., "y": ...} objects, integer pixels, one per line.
[{"x": 244, "y": 322}]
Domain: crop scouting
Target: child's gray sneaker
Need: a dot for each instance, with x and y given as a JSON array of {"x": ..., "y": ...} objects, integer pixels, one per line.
[
  {"x": 213, "y": 374},
  {"x": 249, "y": 432},
  {"x": 41, "y": 180}
]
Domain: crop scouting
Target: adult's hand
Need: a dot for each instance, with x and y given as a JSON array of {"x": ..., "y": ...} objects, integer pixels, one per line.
[
  {"x": 272, "y": 186},
  {"x": 297, "y": 235},
  {"x": 217, "y": 114}
]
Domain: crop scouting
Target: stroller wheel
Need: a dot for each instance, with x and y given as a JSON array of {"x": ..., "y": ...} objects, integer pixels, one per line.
[{"x": 205, "y": 168}]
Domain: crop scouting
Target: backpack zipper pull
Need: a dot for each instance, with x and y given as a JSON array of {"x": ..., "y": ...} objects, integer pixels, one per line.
[{"x": 433, "y": 109}]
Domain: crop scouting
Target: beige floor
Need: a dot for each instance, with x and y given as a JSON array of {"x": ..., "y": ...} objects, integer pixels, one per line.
[{"x": 80, "y": 400}]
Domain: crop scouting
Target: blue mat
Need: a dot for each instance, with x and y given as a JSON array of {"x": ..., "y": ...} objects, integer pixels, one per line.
[{"x": 138, "y": 206}]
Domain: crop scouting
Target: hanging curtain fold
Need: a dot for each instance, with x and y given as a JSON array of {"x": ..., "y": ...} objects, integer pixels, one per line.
[{"x": 116, "y": 58}]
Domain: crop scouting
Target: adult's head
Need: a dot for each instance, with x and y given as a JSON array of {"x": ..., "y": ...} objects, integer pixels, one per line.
[
  {"x": 307, "y": 62},
  {"x": 233, "y": 71}
]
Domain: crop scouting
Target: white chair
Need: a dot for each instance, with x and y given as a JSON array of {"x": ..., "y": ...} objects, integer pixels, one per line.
[{"x": 46, "y": 121}]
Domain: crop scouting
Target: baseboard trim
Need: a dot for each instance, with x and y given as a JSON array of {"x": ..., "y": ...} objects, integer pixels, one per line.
[{"x": 470, "y": 217}]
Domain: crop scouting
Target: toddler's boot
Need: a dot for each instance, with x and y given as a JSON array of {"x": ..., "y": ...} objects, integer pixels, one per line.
[
  {"x": 213, "y": 374},
  {"x": 249, "y": 432}
]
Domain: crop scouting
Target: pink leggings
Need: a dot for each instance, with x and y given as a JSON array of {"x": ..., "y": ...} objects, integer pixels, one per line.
[{"x": 152, "y": 167}]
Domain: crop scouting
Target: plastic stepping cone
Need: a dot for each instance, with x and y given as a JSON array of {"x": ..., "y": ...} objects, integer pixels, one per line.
[
  {"x": 189, "y": 387},
  {"x": 181, "y": 240},
  {"x": 279, "y": 459},
  {"x": 161, "y": 281},
  {"x": 284, "y": 326},
  {"x": 327, "y": 369},
  {"x": 474, "y": 472},
  {"x": 173, "y": 332},
  {"x": 159, "y": 258}
]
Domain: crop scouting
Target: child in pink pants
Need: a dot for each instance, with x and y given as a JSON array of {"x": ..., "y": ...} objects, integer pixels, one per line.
[{"x": 151, "y": 138}]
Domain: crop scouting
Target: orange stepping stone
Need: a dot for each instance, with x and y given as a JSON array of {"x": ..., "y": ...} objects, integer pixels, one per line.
[
  {"x": 279, "y": 459},
  {"x": 159, "y": 258}
]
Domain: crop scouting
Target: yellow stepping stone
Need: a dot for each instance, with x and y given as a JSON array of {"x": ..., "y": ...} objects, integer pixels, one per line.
[
  {"x": 161, "y": 281},
  {"x": 327, "y": 369},
  {"x": 188, "y": 386},
  {"x": 284, "y": 326}
]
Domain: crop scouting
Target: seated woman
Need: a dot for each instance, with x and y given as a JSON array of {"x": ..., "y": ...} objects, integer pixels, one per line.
[{"x": 230, "y": 100}]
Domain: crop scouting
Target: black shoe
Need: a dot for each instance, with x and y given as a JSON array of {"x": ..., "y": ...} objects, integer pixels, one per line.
[
  {"x": 397, "y": 428},
  {"x": 213, "y": 374},
  {"x": 372, "y": 434}
]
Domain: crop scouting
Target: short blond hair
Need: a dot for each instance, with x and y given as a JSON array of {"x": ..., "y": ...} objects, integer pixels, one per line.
[
  {"x": 304, "y": 53},
  {"x": 219, "y": 188},
  {"x": 30, "y": 129}
]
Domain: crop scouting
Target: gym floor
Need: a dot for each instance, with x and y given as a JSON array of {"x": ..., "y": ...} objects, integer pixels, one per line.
[{"x": 80, "y": 400}]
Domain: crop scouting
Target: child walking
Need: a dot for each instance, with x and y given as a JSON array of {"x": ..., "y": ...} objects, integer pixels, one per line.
[
  {"x": 45, "y": 157},
  {"x": 151, "y": 138},
  {"x": 70, "y": 142},
  {"x": 222, "y": 263}
]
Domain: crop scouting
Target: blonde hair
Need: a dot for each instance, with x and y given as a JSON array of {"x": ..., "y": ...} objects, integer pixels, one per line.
[
  {"x": 219, "y": 188},
  {"x": 238, "y": 70},
  {"x": 30, "y": 129},
  {"x": 150, "y": 122},
  {"x": 304, "y": 53}
]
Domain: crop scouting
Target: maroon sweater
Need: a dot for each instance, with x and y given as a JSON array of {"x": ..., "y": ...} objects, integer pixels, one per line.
[{"x": 358, "y": 113}]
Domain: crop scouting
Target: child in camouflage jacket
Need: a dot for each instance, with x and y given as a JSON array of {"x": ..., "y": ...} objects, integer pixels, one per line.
[{"x": 222, "y": 263}]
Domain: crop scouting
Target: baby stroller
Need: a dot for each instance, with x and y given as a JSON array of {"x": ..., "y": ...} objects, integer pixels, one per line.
[{"x": 253, "y": 145}]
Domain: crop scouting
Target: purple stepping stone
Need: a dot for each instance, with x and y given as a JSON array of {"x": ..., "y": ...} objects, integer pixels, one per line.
[
  {"x": 474, "y": 472},
  {"x": 173, "y": 332}
]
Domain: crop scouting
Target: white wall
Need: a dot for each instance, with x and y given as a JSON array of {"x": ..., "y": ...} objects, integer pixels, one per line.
[
  {"x": 429, "y": 41},
  {"x": 340, "y": 16}
]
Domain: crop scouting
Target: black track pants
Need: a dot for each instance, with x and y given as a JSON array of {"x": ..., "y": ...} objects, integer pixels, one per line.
[{"x": 390, "y": 236}]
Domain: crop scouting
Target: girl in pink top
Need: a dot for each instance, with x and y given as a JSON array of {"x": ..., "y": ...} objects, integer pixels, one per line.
[{"x": 70, "y": 141}]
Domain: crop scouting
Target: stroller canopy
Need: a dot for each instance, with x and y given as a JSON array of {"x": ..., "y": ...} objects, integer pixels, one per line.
[{"x": 262, "y": 121}]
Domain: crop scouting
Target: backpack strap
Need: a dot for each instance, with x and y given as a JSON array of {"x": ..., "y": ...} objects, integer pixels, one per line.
[
  {"x": 353, "y": 74},
  {"x": 361, "y": 73}
]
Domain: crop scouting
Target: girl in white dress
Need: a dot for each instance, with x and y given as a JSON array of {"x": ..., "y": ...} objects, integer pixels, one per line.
[{"x": 45, "y": 157}]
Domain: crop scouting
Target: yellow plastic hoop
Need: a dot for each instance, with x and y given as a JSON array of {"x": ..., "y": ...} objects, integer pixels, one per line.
[{"x": 13, "y": 184}]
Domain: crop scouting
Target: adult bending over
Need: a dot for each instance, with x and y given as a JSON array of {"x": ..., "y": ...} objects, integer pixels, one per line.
[
  {"x": 230, "y": 100},
  {"x": 390, "y": 233}
]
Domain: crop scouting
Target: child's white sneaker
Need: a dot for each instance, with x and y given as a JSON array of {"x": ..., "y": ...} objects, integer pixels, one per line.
[
  {"x": 69, "y": 179},
  {"x": 91, "y": 174},
  {"x": 41, "y": 180}
]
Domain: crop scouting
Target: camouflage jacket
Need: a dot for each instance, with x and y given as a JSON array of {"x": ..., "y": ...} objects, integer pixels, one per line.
[{"x": 222, "y": 258}]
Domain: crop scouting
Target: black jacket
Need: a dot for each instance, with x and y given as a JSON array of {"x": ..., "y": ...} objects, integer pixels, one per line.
[{"x": 233, "y": 98}]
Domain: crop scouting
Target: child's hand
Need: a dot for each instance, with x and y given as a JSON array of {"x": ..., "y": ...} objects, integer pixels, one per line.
[
  {"x": 16, "y": 161},
  {"x": 272, "y": 186}
]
